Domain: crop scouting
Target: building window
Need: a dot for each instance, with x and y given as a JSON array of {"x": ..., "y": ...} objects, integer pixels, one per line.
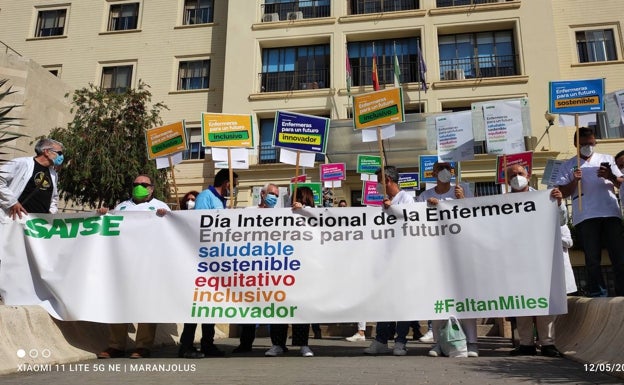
[
  {"x": 482, "y": 189},
  {"x": 117, "y": 79},
  {"x": 456, "y": 3},
  {"x": 473, "y": 55},
  {"x": 295, "y": 68},
  {"x": 198, "y": 11},
  {"x": 51, "y": 23},
  {"x": 194, "y": 75},
  {"x": 594, "y": 46},
  {"x": 361, "y": 7},
  {"x": 123, "y": 17},
  {"x": 407, "y": 52},
  {"x": 280, "y": 10},
  {"x": 266, "y": 152}
]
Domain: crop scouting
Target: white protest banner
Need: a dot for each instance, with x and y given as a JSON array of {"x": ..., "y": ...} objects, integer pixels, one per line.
[
  {"x": 503, "y": 127},
  {"x": 455, "y": 137},
  {"x": 491, "y": 256},
  {"x": 619, "y": 97}
]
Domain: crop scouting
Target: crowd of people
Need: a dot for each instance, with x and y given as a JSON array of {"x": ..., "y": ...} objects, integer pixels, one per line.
[{"x": 29, "y": 185}]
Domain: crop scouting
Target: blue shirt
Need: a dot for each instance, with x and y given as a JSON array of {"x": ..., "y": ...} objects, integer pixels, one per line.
[{"x": 209, "y": 199}]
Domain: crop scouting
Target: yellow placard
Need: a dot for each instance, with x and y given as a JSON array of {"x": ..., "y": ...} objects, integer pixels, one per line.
[
  {"x": 227, "y": 130},
  {"x": 166, "y": 140},
  {"x": 378, "y": 108}
]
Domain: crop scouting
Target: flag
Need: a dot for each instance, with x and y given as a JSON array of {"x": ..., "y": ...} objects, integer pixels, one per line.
[
  {"x": 375, "y": 76},
  {"x": 397, "y": 71},
  {"x": 348, "y": 66},
  {"x": 422, "y": 69}
]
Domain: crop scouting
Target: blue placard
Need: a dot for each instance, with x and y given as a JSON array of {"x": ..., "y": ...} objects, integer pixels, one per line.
[
  {"x": 408, "y": 180},
  {"x": 576, "y": 96},
  {"x": 300, "y": 132}
]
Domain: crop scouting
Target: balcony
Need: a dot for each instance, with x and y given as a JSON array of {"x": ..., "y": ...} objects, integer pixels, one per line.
[
  {"x": 478, "y": 67},
  {"x": 362, "y": 7},
  {"x": 457, "y": 3},
  {"x": 293, "y": 80},
  {"x": 294, "y": 11},
  {"x": 268, "y": 154},
  {"x": 362, "y": 75}
]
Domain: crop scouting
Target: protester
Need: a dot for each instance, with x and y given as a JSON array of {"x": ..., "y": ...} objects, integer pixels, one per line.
[
  {"x": 342, "y": 203},
  {"x": 619, "y": 162},
  {"x": 300, "y": 332},
  {"x": 188, "y": 200},
  {"x": 268, "y": 199},
  {"x": 213, "y": 198},
  {"x": 142, "y": 200},
  {"x": 518, "y": 179},
  {"x": 442, "y": 191},
  {"x": 29, "y": 184},
  {"x": 599, "y": 217},
  {"x": 383, "y": 331}
]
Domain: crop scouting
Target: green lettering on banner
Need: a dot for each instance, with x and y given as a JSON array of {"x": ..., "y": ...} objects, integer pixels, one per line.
[
  {"x": 371, "y": 116},
  {"x": 226, "y": 136},
  {"x": 166, "y": 144},
  {"x": 106, "y": 225}
]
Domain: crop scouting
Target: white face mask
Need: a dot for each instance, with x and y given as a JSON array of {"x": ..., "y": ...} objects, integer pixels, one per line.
[
  {"x": 587, "y": 150},
  {"x": 190, "y": 205},
  {"x": 444, "y": 175},
  {"x": 518, "y": 183}
]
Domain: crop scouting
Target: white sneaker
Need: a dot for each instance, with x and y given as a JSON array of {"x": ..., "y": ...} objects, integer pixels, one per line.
[
  {"x": 435, "y": 351},
  {"x": 275, "y": 351},
  {"x": 473, "y": 350},
  {"x": 399, "y": 349},
  {"x": 428, "y": 337},
  {"x": 356, "y": 337},
  {"x": 306, "y": 351},
  {"x": 377, "y": 347}
]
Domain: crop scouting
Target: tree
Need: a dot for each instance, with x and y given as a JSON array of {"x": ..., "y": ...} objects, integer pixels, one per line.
[
  {"x": 105, "y": 146},
  {"x": 7, "y": 123}
]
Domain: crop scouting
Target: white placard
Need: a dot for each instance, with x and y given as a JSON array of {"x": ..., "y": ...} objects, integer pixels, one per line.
[
  {"x": 306, "y": 159},
  {"x": 503, "y": 127},
  {"x": 455, "y": 137},
  {"x": 370, "y": 134},
  {"x": 163, "y": 161}
]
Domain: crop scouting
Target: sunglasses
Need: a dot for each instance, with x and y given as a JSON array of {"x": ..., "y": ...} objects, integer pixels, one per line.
[
  {"x": 141, "y": 184},
  {"x": 56, "y": 152}
]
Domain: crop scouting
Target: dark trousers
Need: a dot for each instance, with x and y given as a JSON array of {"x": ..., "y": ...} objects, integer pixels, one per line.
[
  {"x": 300, "y": 334},
  {"x": 188, "y": 335},
  {"x": 592, "y": 232},
  {"x": 248, "y": 335}
]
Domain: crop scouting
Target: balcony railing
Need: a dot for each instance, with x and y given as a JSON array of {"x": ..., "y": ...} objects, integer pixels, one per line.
[
  {"x": 456, "y": 3},
  {"x": 267, "y": 154},
  {"x": 294, "y": 11},
  {"x": 362, "y": 75},
  {"x": 478, "y": 67},
  {"x": 293, "y": 80},
  {"x": 362, "y": 7}
]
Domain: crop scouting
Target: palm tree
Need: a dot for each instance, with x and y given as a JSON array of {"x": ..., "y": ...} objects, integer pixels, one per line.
[{"x": 7, "y": 123}]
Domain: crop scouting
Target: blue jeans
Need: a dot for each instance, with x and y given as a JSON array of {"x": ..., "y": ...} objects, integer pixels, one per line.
[
  {"x": 383, "y": 331},
  {"x": 591, "y": 232}
]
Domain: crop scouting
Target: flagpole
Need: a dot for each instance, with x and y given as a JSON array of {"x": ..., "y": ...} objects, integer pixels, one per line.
[{"x": 419, "y": 80}]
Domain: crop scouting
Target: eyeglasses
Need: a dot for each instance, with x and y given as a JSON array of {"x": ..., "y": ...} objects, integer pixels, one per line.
[
  {"x": 274, "y": 194},
  {"x": 141, "y": 184},
  {"x": 54, "y": 151}
]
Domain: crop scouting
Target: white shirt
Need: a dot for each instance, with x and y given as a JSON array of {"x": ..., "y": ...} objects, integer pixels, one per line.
[
  {"x": 402, "y": 197},
  {"x": 449, "y": 195},
  {"x": 151, "y": 205},
  {"x": 598, "y": 194}
]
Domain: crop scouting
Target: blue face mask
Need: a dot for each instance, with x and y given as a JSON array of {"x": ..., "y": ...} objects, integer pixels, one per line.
[
  {"x": 58, "y": 160},
  {"x": 270, "y": 200}
]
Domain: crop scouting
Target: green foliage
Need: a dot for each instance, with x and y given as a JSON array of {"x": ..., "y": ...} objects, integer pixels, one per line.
[
  {"x": 7, "y": 123},
  {"x": 105, "y": 146}
]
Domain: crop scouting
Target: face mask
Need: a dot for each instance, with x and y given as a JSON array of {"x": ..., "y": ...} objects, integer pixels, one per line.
[
  {"x": 444, "y": 175},
  {"x": 518, "y": 183},
  {"x": 587, "y": 150},
  {"x": 58, "y": 160},
  {"x": 270, "y": 200},
  {"x": 140, "y": 192},
  {"x": 622, "y": 170},
  {"x": 190, "y": 205}
]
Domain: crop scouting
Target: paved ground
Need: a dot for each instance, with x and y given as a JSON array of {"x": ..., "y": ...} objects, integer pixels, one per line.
[{"x": 336, "y": 362}]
